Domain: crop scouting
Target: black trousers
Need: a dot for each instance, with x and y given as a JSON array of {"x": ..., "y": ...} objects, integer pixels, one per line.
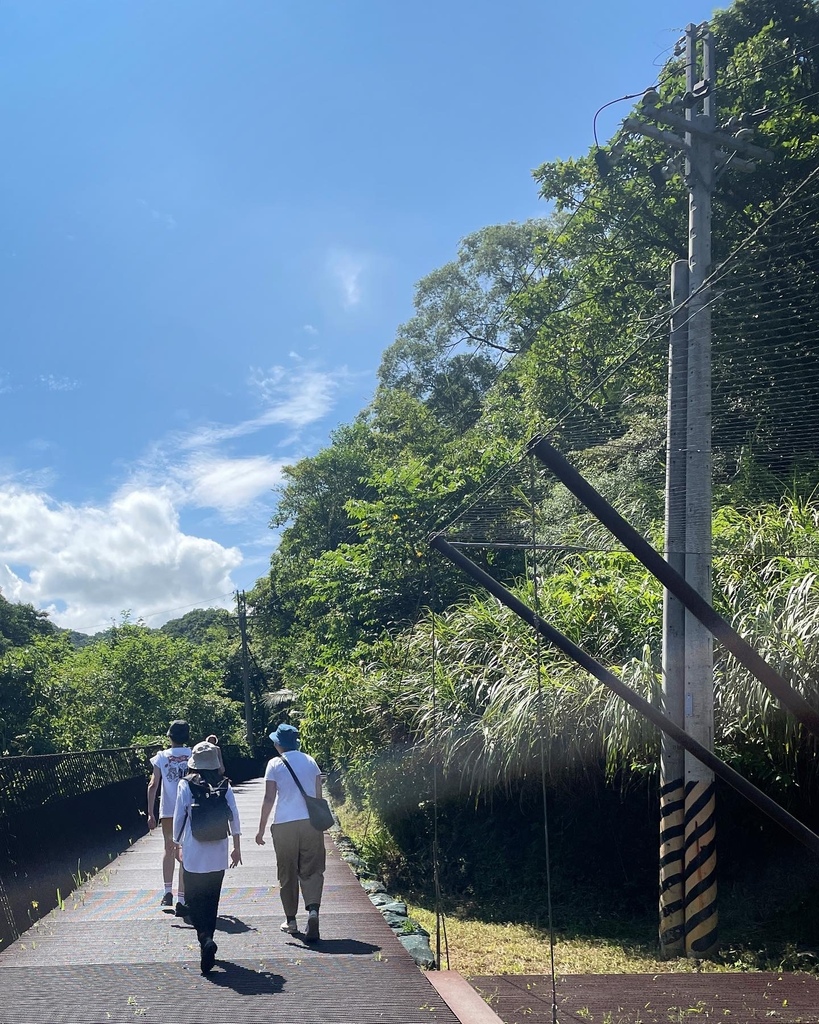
[{"x": 202, "y": 892}]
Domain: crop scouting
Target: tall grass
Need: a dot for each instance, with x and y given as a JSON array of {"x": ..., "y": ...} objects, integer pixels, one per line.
[{"x": 473, "y": 692}]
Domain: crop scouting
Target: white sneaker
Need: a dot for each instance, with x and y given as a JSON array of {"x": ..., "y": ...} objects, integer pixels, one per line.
[
  {"x": 312, "y": 933},
  {"x": 290, "y": 926}
]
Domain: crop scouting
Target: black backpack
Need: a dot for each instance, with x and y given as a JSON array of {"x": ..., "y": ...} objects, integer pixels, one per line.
[{"x": 210, "y": 813}]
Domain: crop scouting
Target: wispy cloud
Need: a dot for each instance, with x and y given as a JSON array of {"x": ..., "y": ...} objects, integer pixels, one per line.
[
  {"x": 197, "y": 470},
  {"x": 346, "y": 269},
  {"x": 229, "y": 484},
  {"x": 166, "y": 219},
  {"x": 297, "y": 398},
  {"x": 291, "y": 398},
  {"x": 310, "y": 329},
  {"x": 52, "y": 383},
  {"x": 84, "y": 564}
]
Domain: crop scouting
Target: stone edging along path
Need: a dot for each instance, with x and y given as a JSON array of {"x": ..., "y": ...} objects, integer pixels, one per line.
[{"x": 409, "y": 933}]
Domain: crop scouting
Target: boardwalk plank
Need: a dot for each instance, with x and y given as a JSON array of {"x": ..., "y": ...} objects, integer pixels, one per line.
[{"x": 112, "y": 955}]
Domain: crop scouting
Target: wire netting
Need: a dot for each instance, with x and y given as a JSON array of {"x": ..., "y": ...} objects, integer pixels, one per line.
[
  {"x": 763, "y": 300},
  {"x": 33, "y": 782}
]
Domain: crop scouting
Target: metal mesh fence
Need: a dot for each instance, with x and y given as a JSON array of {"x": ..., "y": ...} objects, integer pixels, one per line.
[
  {"x": 764, "y": 299},
  {"x": 32, "y": 782}
]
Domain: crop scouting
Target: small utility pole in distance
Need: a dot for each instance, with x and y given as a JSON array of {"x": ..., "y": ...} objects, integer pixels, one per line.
[
  {"x": 241, "y": 610},
  {"x": 705, "y": 148}
]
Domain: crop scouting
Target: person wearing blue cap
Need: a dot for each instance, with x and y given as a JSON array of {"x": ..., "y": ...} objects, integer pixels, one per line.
[{"x": 300, "y": 856}]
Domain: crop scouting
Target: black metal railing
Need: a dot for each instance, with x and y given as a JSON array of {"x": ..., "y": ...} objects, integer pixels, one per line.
[
  {"x": 63, "y": 816},
  {"x": 31, "y": 782}
]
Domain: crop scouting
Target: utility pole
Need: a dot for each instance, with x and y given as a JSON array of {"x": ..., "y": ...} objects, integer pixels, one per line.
[
  {"x": 672, "y": 755},
  {"x": 707, "y": 150},
  {"x": 241, "y": 610},
  {"x": 700, "y": 859}
]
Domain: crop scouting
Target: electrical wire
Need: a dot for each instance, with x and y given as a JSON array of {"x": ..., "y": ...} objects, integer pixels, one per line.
[
  {"x": 745, "y": 279},
  {"x": 611, "y": 103},
  {"x": 743, "y": 79},
  {"x": 541, "y": 727}
]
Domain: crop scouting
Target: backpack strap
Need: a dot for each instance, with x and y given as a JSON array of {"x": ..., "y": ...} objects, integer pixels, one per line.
[
  {"x": 178, "y": 839},
  {"x": 205, "y": 788}
]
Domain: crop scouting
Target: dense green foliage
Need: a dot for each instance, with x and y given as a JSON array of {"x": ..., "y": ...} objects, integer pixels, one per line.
[
  {"x": 20, "y": 624},
  {"x": 119, "y": 689},
  {"x": 557, "y": 325},
  {"x": 199, "y": 625},
  {"x": 529, "y": 321},
  {"x": 403, "y": 678}
]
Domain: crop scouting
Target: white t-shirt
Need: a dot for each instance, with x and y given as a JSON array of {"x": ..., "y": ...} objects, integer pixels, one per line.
[
  {"x": 290, "y": 805},
  {"x": 173, "y": 766},
  {"x": 196, "y": 855}
]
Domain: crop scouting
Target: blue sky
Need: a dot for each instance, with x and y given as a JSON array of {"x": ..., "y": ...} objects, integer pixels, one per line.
[{"x": 213, "y": 218}]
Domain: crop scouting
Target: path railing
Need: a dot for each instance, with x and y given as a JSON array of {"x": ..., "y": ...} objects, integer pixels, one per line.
[{"x": 63, "y": 816}]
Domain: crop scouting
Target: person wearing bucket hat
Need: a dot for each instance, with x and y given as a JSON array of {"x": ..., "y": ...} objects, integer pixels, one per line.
[
  {"x": 169, "y": 766},
  {"x": 300, "y": 856},
  {"x": 205, "y": 813}
]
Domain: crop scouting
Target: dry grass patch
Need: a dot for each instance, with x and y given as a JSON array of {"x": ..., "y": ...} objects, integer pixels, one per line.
[{"x": 482, "y": 948}]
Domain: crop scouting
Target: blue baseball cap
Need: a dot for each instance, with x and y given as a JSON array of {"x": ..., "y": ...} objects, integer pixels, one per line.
[{"x": 286, "y": 737}]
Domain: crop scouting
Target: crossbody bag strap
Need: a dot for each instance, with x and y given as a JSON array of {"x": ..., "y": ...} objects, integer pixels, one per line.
[{"x": 295, "y": 777}]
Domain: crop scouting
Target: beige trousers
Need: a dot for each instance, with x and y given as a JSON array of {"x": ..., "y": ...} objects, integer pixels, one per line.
[{"x": 300, "y": 860}]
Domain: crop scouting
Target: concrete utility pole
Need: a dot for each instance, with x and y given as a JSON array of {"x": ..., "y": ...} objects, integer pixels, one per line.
[
  {"x": 672, "y": 755},
  {"x": 241, "y": 610},
  {"x": 700, "y": 860},
  {"x": 688, "y": 902}
]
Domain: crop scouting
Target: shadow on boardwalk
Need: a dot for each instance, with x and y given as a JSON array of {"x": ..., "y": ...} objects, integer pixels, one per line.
[{"x": 111, "y": 954}]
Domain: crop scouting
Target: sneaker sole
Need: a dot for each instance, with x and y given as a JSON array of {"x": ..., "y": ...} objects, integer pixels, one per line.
[{"x": 208, "y": 958}]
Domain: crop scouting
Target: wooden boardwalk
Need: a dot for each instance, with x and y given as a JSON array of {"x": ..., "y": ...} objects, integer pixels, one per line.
[
  {"x": 111, "y": 954},
  {"x": 778, "y": 998}
]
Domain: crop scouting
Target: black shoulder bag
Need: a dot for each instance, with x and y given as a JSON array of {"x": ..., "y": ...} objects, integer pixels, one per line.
[{"x": 318, "y": 810}]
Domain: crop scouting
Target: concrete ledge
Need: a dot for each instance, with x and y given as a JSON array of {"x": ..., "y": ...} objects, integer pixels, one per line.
[{"x": 461, "y": 998}]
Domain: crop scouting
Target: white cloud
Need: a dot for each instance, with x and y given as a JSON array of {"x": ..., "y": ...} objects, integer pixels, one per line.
[
  {"x": 310, "y": 329},
  {"x": 84, "y": 564},
  {"x": 296, "y": 398},
  {"x": 346, "y": 269},
  {"x": 52, "y": 383},
  {"x": 166, "y": 219},
  {"x": 228, "y": 484},
  {"x": 291, "y": 398}
]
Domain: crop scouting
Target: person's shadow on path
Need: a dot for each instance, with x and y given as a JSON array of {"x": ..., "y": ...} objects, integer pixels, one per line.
[
  {"x": 224, "y": 923},
  {"x": 243, "y": 980},
  {"x": 233, "y": 925},
  {"x": 352, "y": 947}
]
